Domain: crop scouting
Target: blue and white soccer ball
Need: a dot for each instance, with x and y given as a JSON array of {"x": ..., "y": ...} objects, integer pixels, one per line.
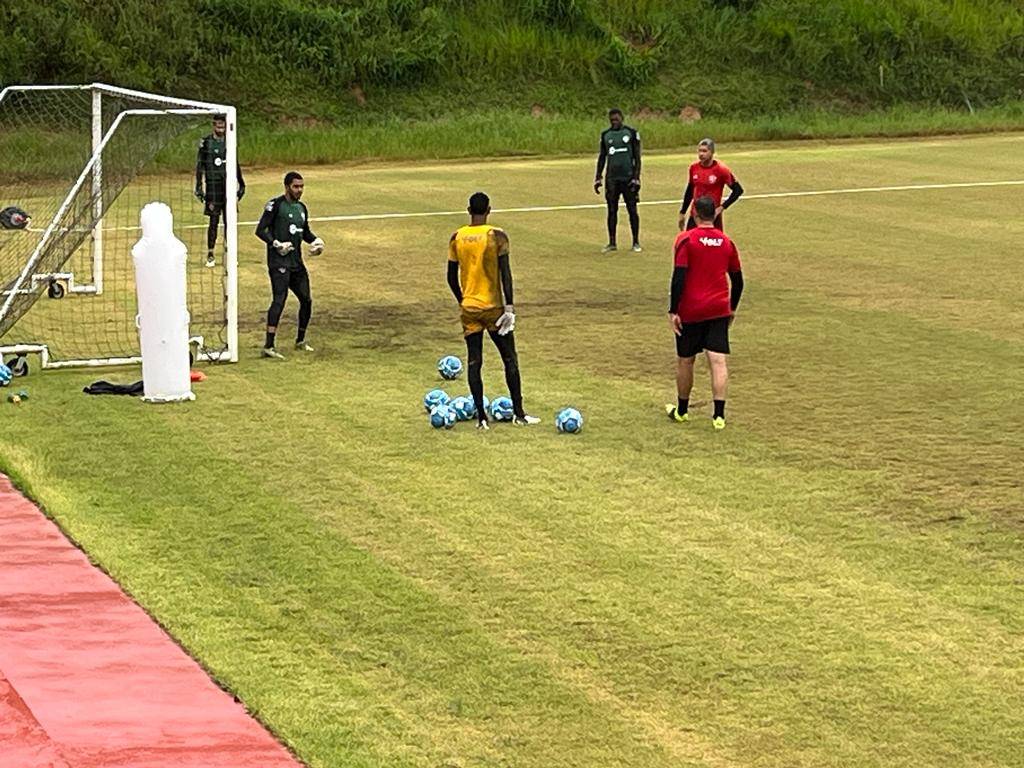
[
  {"x": 463, "y": 407},
  {"x": 449, "y": 367},
  {"x": 501, "y": 409},
  {"x": 434, "y": 398},
  {"x": 569, "y": 420},
  {"x": 5, "y": 375},
  {"x": 443, "y": 416}
]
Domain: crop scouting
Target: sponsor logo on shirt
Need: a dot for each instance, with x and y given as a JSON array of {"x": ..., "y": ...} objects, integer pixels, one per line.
[
  {"x": 294, "y": 229},
  {"x": 711, "y": 242},
  {"x": 218, "y": 161},
  {"x": 712, "y": 179}
]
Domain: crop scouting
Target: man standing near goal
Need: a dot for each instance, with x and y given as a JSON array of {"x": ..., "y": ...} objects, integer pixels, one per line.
[
  {"x": 708, "y": 177},
  {"x": 620, "y": 150},
  {"x": 479, "y": 276},
  {"x": 707, "y": 283},
  {"x": 211, "y": 163},
  {"x": 284, "y": 226}
]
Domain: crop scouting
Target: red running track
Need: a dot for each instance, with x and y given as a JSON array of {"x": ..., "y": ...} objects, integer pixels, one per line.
[{"x": 88, "y": 680}]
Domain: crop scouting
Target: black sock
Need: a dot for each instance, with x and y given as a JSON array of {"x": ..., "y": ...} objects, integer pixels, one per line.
[
  {"x": 301, "y": 337},
  {"x": 683, "y": 406},
  {"x": 270, "y": 340},
  {"x": 719, "y": 409}
]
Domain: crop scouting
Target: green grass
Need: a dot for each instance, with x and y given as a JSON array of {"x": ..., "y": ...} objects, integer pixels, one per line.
[
  {"x": 336, "y": 59},
  {"x": 834, "y": 580},
  {"x": 508, "y": 133}
]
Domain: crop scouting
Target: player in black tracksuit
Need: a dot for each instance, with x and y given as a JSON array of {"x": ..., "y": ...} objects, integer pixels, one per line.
[
  {"x": 211, "y": 164},
  {"x": 620, "y": 150},
  {"x": 284, "y": 227}
]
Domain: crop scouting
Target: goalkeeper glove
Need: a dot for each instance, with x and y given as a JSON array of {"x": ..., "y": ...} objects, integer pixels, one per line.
[
  {"x": 316, "y": 247},
  {"x": 507, "y": 322},
  {"x": 283, "y": 249},
  {"x": 199, "y": 195}
]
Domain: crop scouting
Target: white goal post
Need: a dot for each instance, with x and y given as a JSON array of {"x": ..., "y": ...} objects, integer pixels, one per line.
[{"x": 85, "y": 160}]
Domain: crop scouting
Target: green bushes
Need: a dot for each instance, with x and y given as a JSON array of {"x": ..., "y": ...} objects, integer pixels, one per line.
[{"x": 331, "y": 59}]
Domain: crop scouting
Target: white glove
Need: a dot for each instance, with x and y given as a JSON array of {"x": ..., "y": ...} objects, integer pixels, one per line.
[
  {"x": 316, "y": 247},
  {"x": 507, "y": 322},
  {"x": 283, "y": 249}
]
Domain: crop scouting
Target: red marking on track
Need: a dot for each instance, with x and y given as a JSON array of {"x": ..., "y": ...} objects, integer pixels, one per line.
[{"x": 88, "y": 680}]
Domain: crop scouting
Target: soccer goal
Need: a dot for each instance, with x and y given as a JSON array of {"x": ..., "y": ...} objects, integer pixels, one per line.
[{"x": 80, "y": 162}]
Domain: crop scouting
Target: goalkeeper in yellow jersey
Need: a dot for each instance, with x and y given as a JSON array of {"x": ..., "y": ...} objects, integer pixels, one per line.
[{"x": 480, "y": 278}]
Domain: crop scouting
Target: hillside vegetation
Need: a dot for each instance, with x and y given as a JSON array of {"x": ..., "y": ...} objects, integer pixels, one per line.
[{"x": 315, "y": 61}]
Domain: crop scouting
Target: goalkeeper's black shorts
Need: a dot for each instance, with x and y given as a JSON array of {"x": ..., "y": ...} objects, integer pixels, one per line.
[{"x": 214, "y": 207}]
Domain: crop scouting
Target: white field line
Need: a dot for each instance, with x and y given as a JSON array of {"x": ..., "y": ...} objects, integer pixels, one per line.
[
  {"x": 673, "y": 201},
  {"x": 587, "y": 206}
]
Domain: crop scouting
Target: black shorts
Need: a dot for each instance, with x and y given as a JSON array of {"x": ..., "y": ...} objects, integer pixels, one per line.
[
  {"x": 691, "y": 223},
  {"x": 624, "y": 188},
  {"x": 712, "y": 335},
  {"x": 213, "y": 207},
  {"x": 294, "y": 278}
]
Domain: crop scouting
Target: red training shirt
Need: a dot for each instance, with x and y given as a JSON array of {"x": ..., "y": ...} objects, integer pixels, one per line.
[
  {"x": 709, "y": 181},
  {"x": 709, "y": 256}
]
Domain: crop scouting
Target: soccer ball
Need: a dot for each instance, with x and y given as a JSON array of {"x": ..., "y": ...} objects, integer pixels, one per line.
[
  {"x": 569, "y": 420},
  {"x": 501, "y": 409},
  {"x": 449, "y": 367},
  {"x": 463, "y": 407},
  {"x": 443, "y": 416},
  {"x": 434, "y": 398}
]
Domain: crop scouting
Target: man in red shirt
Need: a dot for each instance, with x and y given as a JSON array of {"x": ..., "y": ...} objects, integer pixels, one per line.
[
  {"x": 708, "y": 177},
  {"x": 706, "y": 286}
]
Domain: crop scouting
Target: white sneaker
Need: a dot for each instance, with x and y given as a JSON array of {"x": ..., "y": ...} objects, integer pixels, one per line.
[
  {"x": 210, "y": 261},
  {"x": 637, "y": 248},
  {"x": 271, "y": 353},
  {"x": 609, "y": 248},
  {"x": 482, "y": 425},
  {"x": 302, "y": 346},
  {"x": 525, "y": 421}
]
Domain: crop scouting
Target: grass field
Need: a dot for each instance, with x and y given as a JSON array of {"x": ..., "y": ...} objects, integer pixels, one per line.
[{"x": 835, "y": 580}]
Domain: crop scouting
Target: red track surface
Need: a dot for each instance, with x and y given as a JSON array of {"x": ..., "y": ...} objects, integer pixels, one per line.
[{"x": 87, "y": 679}]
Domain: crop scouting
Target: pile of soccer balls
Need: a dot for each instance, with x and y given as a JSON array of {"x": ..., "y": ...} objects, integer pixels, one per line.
[{"x": 445, "y": 411}]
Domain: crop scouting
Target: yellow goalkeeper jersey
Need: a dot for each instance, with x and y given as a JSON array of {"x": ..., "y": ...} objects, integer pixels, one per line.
[{"x": 476, "y": 249}]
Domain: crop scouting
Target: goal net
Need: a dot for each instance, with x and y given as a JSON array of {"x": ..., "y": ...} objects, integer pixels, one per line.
[{"x": 80, "y": 162}]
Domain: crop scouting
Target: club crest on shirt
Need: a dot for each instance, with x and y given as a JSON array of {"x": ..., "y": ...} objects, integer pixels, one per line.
[{"x": 626, "y": 138}]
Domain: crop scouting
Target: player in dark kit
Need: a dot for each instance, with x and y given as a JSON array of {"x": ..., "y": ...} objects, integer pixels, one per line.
[
  {"x": 284, "y": 226},
  {"x": 620, "y": 150},
  {"x": 708, "y": 177},
  {"x": 707, "y": 283},
  {"x": 211, "y": 163}
]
